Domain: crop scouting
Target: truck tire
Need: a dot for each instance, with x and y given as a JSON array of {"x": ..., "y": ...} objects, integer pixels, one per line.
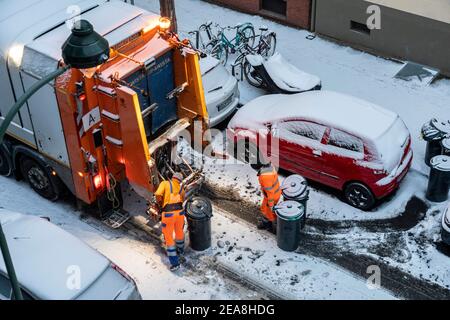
[
  {"x": 39, "y": 179},
  {"x": 5, "y": 162},
  {"x": 359, "y": 196}
]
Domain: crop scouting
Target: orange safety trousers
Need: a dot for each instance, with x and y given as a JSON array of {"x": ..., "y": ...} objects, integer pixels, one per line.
[
  {"x": 270, "y": 186},
  {"x": 173, "y": 224}
]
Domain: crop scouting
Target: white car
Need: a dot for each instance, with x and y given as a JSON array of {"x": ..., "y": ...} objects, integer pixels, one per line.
[
  {"x": 221, "y": 90},
  {"x": 51, "y": 264}
]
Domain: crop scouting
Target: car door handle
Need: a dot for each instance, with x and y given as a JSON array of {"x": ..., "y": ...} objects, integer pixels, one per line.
[{"x": 317, "y": 153}]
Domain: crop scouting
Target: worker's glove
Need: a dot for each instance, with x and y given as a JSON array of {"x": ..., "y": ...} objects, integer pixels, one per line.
[{"x": 153, "y": 213}]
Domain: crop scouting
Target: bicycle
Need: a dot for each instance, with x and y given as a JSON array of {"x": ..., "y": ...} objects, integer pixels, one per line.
[
  {"x": 220, "y": 46},
  {"x": 246, "y": 68},
  {"x": 267, "y": 42}
]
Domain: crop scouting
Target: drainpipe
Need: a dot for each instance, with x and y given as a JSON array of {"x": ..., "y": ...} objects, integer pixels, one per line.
[{"x": 313, "y": 15}]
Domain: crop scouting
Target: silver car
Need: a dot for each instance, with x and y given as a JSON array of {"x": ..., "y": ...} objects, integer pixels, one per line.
[
  {"x": 51, "y": 264},
  {"x": 221, "y": 90}
]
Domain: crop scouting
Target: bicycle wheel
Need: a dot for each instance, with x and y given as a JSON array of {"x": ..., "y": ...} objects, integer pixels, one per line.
[
  {"x": 220, "y": 52},
  {"x": 247, "y": 35},
  {"x": 252, "y": 76},
  {"x": 268, "y": 45}
]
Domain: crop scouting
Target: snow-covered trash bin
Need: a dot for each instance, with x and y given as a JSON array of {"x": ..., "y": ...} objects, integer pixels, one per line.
[
  {"x": 277, "y": 75},
  {"x": 439, "y": 182},
  {"x": 433, "y": 132},
  {"x": 446, "y": 147},
  {"x": 289, "y": 219},
  {"x": 199, "y": 214},
  {"x": 295, "y": 188}
]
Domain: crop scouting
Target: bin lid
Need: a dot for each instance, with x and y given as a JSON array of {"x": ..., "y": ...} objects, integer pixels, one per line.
[
  {"x": 435, "y": 130},
  {"x": 442, "y": 125},
  {"x": 446, "y": 144},
  {"x": 290, "y": 210},
  {"x": 441, "y": 163},
  {"x": 199, "y": 208},
  {"x": 294, "y": 186}
]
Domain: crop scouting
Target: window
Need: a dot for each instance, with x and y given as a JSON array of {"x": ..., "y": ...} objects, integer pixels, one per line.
[
  {"x": 298, "y": 129},
  {"x": 5, "y": 287},
  {"x": 345, "y": 141},
  {"x": 359, "y": 27},
  {"x": 276, "y": 6}
]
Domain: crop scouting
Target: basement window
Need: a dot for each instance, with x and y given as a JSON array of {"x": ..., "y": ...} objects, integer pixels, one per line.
[{"x": 359, "y": 27}]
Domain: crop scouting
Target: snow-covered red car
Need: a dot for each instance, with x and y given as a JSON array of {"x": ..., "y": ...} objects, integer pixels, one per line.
[{"x": 335, "y": 139}]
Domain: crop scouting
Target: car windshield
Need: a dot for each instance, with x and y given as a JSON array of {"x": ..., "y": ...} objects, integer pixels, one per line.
[{"x": 392, "y": 143}]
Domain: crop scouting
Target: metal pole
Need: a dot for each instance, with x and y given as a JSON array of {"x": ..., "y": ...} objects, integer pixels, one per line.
[
  {"x": 3, "y": 128},
  {"x": 168, "y": 10}
]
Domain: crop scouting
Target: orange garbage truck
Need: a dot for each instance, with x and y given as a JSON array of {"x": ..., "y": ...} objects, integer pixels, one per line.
[{"x": 91, "y": 130}]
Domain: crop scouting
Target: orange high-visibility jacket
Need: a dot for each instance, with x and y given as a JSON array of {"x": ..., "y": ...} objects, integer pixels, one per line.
[
  {"x": 170, "y": 193},
  {"x": 270, "y": 185}
]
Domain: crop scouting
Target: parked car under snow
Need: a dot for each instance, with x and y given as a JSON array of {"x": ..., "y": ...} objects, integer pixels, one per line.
[
  {"x": 51, "y": 264},
  {"x": 221, "y": 90},
  {"x": 337, "y": 140},
  {"x": 445, "y": 233}
]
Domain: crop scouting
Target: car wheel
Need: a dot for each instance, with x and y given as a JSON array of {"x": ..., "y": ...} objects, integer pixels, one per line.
[
  {"x": 5, "y": 163},
  {"x": 359, "y": 196},
  {"x": 38, "y": 179}
]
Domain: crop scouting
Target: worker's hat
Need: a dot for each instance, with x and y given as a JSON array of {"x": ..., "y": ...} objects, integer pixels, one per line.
[{"x": 178, "y": 176}]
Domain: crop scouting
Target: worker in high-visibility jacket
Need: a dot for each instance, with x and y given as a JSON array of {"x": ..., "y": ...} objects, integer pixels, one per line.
[
  {"x": 170, "y": 196},
  {"x": 271, "y": 189}
]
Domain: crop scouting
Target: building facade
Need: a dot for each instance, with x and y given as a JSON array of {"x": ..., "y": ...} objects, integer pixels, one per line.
[
  {"x": 411, "y": 30},
  {"x": 292, "y": 12}
]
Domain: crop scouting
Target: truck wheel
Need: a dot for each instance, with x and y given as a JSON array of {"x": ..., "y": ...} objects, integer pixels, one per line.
[
  {"x": 5, "y": 163},
  {"x": 359, "y": 196},
  {"x": 38, "y": 178}
]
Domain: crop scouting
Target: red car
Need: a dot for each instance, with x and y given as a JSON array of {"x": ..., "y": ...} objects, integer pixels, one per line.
[{"x": 337, "y": 140}]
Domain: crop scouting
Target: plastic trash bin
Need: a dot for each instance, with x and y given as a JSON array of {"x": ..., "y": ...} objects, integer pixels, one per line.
[
  {"x": 433, "y": 132},
  {"x": 295, "y": 188},
  {"x": 199, "y": 214},
  {"x": 446, "y": 147},
  {"x": 289, "y": 217},
  {"x": 439, "y": 182}
]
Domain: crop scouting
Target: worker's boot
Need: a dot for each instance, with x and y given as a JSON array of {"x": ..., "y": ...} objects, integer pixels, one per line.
[
  {"x": 264, "y": 224},
  {"x": 273, "y": 229},
  {"x": 174, "y": 263}
]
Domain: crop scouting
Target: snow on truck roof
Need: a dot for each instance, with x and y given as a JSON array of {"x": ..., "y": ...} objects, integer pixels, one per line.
[
  {"x": 45, "y": 256},
  {"x": 326, "y": 107},
  {"x": 39, "y": 25}
]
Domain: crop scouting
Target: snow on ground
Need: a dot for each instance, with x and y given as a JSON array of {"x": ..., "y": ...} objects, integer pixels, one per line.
[{"x": 242, "y": 248}]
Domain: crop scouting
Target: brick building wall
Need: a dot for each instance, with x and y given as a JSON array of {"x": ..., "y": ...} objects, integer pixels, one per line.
[{"x": 298, "y": 11}]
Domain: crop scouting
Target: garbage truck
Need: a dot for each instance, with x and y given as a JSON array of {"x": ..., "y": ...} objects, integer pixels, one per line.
[{"x": 89, "y": 131}]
